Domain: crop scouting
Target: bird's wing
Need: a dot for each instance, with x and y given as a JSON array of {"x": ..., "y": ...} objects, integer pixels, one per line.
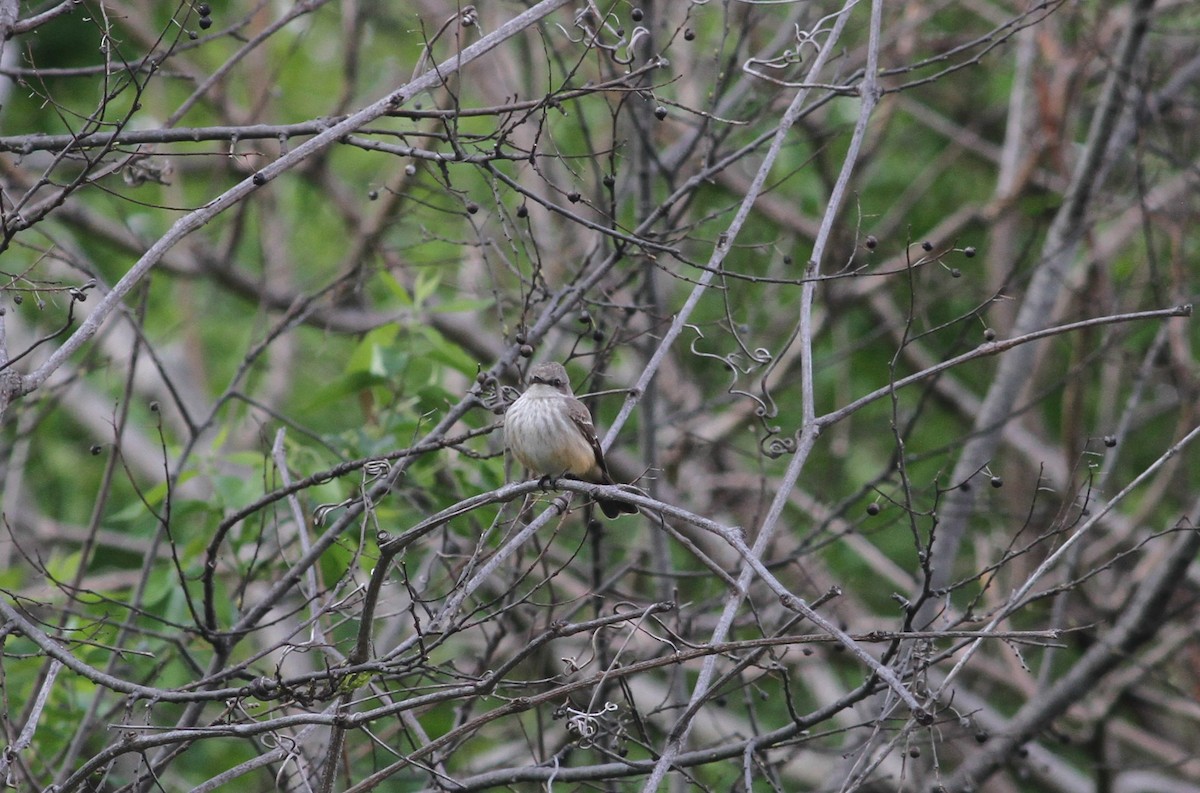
[{"x": 581, "y": 417}]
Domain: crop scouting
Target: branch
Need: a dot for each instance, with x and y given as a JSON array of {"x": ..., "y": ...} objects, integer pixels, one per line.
[
  {"x": 995, "y": 348},
  {"x": 1058, "y": 254},
  {"x": 1145, "y": 614},
  {"x": 233, "y": 196}
]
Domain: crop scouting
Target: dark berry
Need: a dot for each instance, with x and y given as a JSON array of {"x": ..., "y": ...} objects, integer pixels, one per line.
[
  {"x": 660, "y": 112},
  {"x": 871, "y": 242},
  {"x": 927, "y": 245}
]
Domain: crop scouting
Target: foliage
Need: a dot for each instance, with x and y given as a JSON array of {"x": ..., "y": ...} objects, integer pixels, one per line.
[{"x": 886, "y": 307}]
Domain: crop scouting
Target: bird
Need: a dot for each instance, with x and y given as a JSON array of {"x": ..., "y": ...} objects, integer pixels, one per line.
[{"x": 550, "y": 432}]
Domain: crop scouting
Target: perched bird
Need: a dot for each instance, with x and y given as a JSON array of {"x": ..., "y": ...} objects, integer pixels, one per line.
[{"x": 550, "y": 432}]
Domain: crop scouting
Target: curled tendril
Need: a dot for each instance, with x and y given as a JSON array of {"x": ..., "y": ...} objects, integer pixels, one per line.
[
  {"x": 638, "y": 34},
  {"x": 733, "y": 363},
  {"x": 593, "y": 24},
  {"x": 789, "y": 57},
  {"x": 775, "y": 446},
  {"x": 584, "y": 724},
  {"x": 375, "y": 469},
  {"x": 505, "y": 397},
  {"x": 372, "y": 472},
  {"x": 491, "y": 395}
]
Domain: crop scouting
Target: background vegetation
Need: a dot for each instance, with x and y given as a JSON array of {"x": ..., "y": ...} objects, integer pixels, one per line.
[{"x": 884, "y": 308}]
